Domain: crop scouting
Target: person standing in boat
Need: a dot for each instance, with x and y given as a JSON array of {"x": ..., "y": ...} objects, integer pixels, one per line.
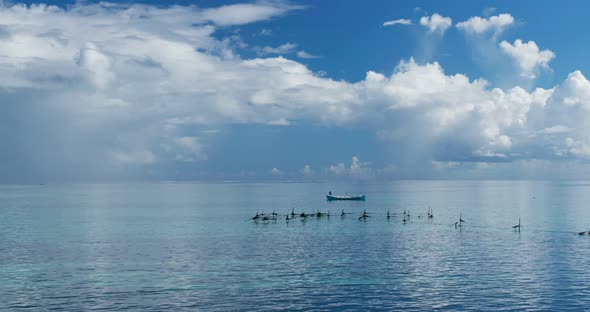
[{"x": 330, "y": 193}]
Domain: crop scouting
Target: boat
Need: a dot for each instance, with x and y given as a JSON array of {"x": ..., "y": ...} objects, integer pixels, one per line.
[{"x": 331, "y": 197}]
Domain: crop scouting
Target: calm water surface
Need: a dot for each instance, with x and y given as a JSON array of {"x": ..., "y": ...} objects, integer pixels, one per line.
[{"x": 151, "y": 247}]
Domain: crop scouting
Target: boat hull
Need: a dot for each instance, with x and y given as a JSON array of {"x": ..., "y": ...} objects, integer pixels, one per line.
[{"x": 335, "y": 197}]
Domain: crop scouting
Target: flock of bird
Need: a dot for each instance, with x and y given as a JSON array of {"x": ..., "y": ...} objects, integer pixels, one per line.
[
  {"x": 364, "y": 216},
  {"x": 265, "y": 217}
]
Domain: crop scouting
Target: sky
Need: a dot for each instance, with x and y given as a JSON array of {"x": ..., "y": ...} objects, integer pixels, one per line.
[{"x": 293, "y": 90}]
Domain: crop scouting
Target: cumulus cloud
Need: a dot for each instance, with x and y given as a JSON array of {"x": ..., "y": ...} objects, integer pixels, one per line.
[
  {"x": 97, "y": 64},
  {"x": 307, "y": 171},
  {"x": 357, "y": 169},
  {"x": 478, "y": 122},
  {"x": 528, "y": 56},
  {"x": 436, "y": 23},
  {"x": 401, "y": 21},
  {"x": 478, "y": 25},
  {"x": 338, "y": 169},
  {"x": 573, "y": 92}
]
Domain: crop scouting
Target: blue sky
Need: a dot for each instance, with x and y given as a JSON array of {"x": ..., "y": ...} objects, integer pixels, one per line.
[{"x": 298, "y": 90}]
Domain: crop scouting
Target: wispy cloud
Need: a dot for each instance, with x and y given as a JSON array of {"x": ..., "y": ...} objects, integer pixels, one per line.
[
  {"x": 265, "y": 32},
  {"x": 489, "y": 11},
  {"x": 279, "y": 122},
  {"x": 401, "y": 21},
  {"x": 304, "y": 55},
  {"x": 245, "y": 13},
  {"x": 286, "y": 48},
  {"x": 276, "y": 171}
]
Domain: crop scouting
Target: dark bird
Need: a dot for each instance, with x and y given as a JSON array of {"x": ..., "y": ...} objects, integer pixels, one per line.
[
  {"x": 257, "y": 216},
  {"x": 517, "y": 227}
]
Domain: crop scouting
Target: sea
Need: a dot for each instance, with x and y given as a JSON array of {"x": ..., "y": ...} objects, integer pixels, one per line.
[{"x": 194, "y": 247}]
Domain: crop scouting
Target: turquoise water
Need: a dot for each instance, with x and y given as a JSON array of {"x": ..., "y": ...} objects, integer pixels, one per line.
[{"x": 151, "y": 247}]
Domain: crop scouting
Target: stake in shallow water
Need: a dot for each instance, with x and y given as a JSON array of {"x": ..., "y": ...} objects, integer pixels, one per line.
[
  {"x": 364, "y": 216},
  {"x": 289, "y": 216},
  {"x": 460, "y": 222}
]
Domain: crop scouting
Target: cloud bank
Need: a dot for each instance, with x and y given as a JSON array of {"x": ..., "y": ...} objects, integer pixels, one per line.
[{"x": 150, "y": 83}]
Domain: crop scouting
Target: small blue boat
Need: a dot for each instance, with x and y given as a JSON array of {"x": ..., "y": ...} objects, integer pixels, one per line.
[{"x": 345, "y": 197}]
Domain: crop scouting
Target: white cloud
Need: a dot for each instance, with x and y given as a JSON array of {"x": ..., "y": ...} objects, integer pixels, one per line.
[
  {"x": 436, "y": 23},
  {"x": 265, "y": 32},
  {"x": 279, "y": 122},
  {"x": 479, "y": 25},
  {"x": 97, "y": 64},
  {"x": 401, "y": 21},
  {"x": 528, "y": 57},
  {"x": 489, "y": 11},
  {"x": 338, "y": 169},
  {"x": 558, "y": 129},
  {"x": 304, "y": 55},
  {"x": 245, "y": 13},
  {"x": 307, "y": 171},
  {"x": 577, "y": 148},
  {"x": 356, "y": 169},
  {"x": 149, "y": 76},
  {"x": 276, "y": 171},
  {"x": 573, "y": 92},
  {"x": 191, "y": 148},
  {"x": 282, "y": 49}
]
